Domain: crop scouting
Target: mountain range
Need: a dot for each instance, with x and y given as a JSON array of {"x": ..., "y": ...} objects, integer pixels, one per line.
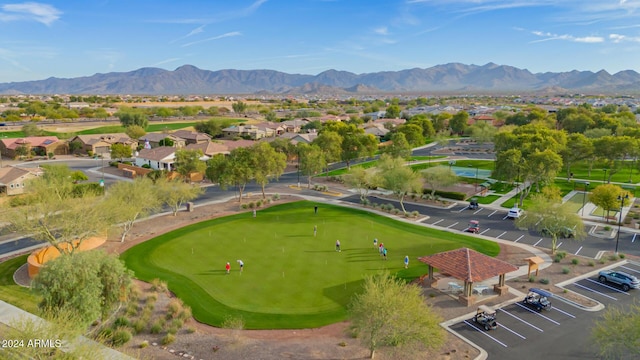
[{"x": 447, "y": 78}]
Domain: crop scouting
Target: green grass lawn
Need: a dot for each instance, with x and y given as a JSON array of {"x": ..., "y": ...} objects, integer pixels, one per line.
[
  {"x": 291, "y": 278},
  {"x": 11, "y": 292}
]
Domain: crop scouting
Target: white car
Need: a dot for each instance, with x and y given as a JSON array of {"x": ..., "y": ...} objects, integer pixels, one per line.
[{"x": 514, "y": 213}]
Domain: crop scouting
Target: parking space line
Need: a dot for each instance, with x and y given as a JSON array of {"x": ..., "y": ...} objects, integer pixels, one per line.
[
  {"x": 516, "y": 240},
  {"x": 485, "y": 231},
  {"x": 522, "y": 320},
  {"x": 463, "y": 209},
  {"x": 498, "y": 237},
  {"x": 564, "y": 312},
  {"x": 494, "y": 211},
  {"x": 609, "y": 287},
  {"x": 594, "y": 291},
  {"x": 437, "y": 221},
  {"x": 577, "y": 251},
  {"x": 538, "y": 242},
  {"x": 485, "y": 333},
  {"x": 505, "y": 217},
  {"x": 511, "y": 331},
  {"x": 634, "y": 237},
  {"x": 630, "y": 269},
  {"x": 478, "y": 211},
  {"x": 452, "y": 225},
  {"x": 537, "y": 313}
]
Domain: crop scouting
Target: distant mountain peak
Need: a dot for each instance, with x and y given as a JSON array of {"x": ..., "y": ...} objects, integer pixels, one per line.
[{"x": 447, "y": 78}]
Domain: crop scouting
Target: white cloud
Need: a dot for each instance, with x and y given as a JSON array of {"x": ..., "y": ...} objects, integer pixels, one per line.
[
  {"x": 42, "y": 13},
  {"x": 550, "y": 36},
  {"x": 195, "y": 31},
  {"x": 617, "y": 38},
  {"x": 381, "y": 30},
  {"x": 229, "y": 34}
]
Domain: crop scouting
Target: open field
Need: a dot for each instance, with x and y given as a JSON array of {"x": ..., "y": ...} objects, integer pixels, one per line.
[{"x": 291, "y": 278}]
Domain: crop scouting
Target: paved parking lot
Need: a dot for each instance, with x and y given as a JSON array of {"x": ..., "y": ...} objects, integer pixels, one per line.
[{"x": 561, "y": 333}]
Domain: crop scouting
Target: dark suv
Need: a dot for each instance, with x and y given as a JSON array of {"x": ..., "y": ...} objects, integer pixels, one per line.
[{"x": 625, "y": 280}]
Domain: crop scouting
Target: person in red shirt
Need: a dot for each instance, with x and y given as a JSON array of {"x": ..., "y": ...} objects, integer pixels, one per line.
[{"x": 228, "y": 267}]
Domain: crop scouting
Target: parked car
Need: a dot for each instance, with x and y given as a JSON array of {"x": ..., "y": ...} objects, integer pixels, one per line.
[
  {"x": 624, "y": 280},
  {"x": 514, "y": 213},
  {"x": 565, "y": 232},
  {"x": 473, "y": 203}
]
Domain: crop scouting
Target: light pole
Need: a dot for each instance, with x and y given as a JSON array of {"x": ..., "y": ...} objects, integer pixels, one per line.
[
  {"x": 584, "y": 196},
  {"x": 604, "y": 177},
  {"x": 631, "y": 169},
  {"x": 298, "y": 168},
  {"x": 621, "y": 199}
]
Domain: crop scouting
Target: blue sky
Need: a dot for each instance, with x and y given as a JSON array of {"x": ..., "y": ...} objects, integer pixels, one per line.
[{"x": 83, "y": 37}]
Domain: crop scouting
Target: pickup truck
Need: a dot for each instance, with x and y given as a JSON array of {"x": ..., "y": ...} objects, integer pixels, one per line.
[{"x": 626, "y": 281}]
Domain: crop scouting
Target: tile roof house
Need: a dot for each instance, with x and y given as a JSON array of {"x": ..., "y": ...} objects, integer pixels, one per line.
[
  {"x": 294, "y": 125},
  {"x": 41, "y": 145},
  {"x": 13, "y": 179},
  {"x": 159, "y": 158},
  {"x": 101, "y": 143},
  {"x": 249, "y": 131},
  {"x": 377, "y": 131},
  {"x": 210, "y": 148},
  {"x": 154, "y": 139},
  {"x": 232, "y": 144},
  {"x": 192, "y": 137}
]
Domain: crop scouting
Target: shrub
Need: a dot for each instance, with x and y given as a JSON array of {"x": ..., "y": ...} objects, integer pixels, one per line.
[
  {"x": 607, "y": 228},
  {"x": 185, "y": 314},
  {"x": 395, "y": 211},
  {"x": 139, "y": 325},
  {"x": 562, "y": 254},
  {"x": 144, "y": 344},
  {"x": 252, "y": 205},
  {"x": 365, "y": 202},
  {"x": 156, "y": 328},
  {"x": 191, "y": 330},
  {"x": 259, "y": 203},
  {"x": 122, "y": 321},
  {"x": 158, "y": 285},
  {"x": 120, "y": 337},
  {"x": 566, "y": 270},
  {"x": 177, "y": 323},
  {"x": 175, "y": 307},
  {"x": 275, "y": 197},
  {"x": 575, "y": 261},
  {"x": 50, "y": 155},
  {"x": 621, "y": 256},
  {"x": 415, "y": 213},
  {"x": 544, "y": 281},
  {"x": 532, "y": 279},
  {"x": 168, "y": 339},
  {"x": 90, "y": 153},
  {"x": 557, "y": 258},
  {"x": 591, "y": 263},
  {"x": 602, "y": 261},
  {"x": 132, "y": 309},
  {"x": 613, "y": 257},
  {"x": 146, "y": 314},
  {"x": 244, "y": 206},
  {"x": 146, "y": 166},
  {"x": 172, "y": 330}
]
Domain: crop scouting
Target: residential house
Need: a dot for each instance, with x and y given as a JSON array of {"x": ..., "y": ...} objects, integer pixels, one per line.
[
  {"x": 101, "y": 143},
  {"x": 233, "y": 144},
  {"x": 271, "y": 129},
  {"x": 378, "y": 131},
  {"x": 487, "y": 119},
  {"x": 192, "y": 137},
  {"x": 210, "y": 148},
  {"x": 13, "y": 179},
  {"x": 158, "y": 158},
  {"x": 244, "y": 131},
  {"x": 39, "y": 145},
  {"x": 392, "y": 122},
  {"x": 294, "y": 126},
  {"x": 153, "y": 140}
]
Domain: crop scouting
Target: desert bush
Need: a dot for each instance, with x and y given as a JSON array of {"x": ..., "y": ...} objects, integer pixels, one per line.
[
  {"x": 252, "y": 205},
  {"x": 156, "y": 328},
  {"x": 158, "y": 285},
  {"x": 259, "y": 203},
  {"x": 562, "y": 254},
  {"x": 557, "y": 258},
  {"x": 591, "y": 263},
  {"x": 621, "y": 256},
  {"x": 415, "y": 214},
  {"x": 174, "y": 308},
  {"x": 191, "y": 330},
  {"x": 132, "y": 309},
  {"x": 172, "y": 330},
  {"x": 395, "y": 211},
  {"x": 178, "y": 323},
  {"x": 275, "y": 197},
  {"x": 532, "y": 278},
  {"x": 544, "y": 281},
  {"x": 144, "y": 344},
  {"x": 185, "y": 314},
  {"x": 566, "y": 270},
  {"x": 120, "y": 337},
  {"x": 613, "y": 257},
  {"x": 168, "y": 339},
  {"x": 244, "y": 206},
  {"x": 575, "y": 261},
  {"x": 139, "y": 326},
  {"x": 122, "y": 321}
]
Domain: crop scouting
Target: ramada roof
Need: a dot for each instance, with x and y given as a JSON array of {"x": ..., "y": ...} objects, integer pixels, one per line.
[{"x": 468, "y": 265}]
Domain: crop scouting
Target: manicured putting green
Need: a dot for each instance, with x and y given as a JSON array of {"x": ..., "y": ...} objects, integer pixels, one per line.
[{"x": 291, "y": 279}]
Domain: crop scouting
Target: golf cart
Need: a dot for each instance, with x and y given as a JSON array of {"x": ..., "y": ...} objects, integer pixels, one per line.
[
  {"x": 473, "y": 203},
  {"x": 486, "y": 317},
  {"x": 474, "y": 227},
  {"x": 538, "y": 299}
]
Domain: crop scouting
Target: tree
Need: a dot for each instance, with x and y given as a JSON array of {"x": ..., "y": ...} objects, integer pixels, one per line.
[
  {"x": 58, "y": 213},
  {"x": 482, "y": 132},
  {"x": 267, "y": 164},
  {"x": 135, "y": 131},
  {"x": 22, "y": 150},
  {"x": 166, "y": 142},
  {"x": 413, "y": 134},
  {"x": 395, "y": 176},
  {"x": 239, "y": 107},
  {"x": 606, "y": 197},
  {"x": 130, "y": 117},
  {"x": 422, "y": 120},
  {"x": 331, "y": 144},
  {"x": 75, "y": 146},
  {"x": 578, "y": 148},
  {"x": 549, "y": 216},
  {"x": 121, "y": 151},
  {"x": 129, "y": 201},
  {"x": 391, "y": 313},
  {"x": 437, "y": 177},
  {"x": 236, "y": 169},
  {"x": 399, "y": 147},
  {"x": 616, "y": 333},
  {"x": 78, "y": 176},
  {"x": 458, "y": 122},
  {"x": 31, "y": 130},
  {"x": 392, "y": 112},
  {"x": 89, "y": 283},
  {"x": 174, "y": 193},
  {"x": 362, "y": 180},
  {"x": 188, "y": 162},
  {"x": 613, "y": 150},
  {"x": 212, "y": 127},
  {"x": 312, "y": 160},
  {"x": 284, "y": 146}
]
